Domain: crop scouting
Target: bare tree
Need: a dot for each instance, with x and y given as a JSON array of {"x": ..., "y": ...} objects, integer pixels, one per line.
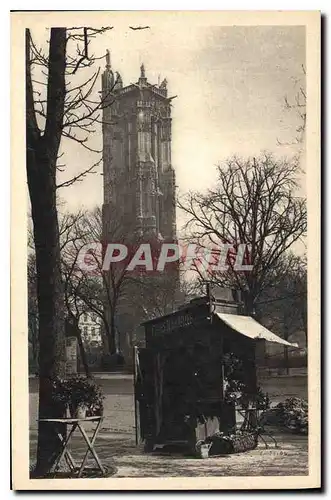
[
  {"x": 253, "y": 203},
  {"x": 297, "y": 105},
  {"x": 75, "y": 308},
  {"x": 283, "y": 306},
  {"x": 161, "y": 294},
  {"x": 54, "y": 109},
  {"x": 98, "y": 290},
  {"x": 110, "y": 293}
]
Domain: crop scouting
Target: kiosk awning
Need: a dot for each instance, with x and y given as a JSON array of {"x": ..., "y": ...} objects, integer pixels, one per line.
[{"x": 247, "y": 326}]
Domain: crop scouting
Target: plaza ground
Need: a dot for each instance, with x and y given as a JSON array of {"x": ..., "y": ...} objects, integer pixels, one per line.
[{"x": 116, "y": 441}]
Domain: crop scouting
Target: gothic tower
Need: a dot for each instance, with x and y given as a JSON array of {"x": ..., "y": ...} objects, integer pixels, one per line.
[{"x": 139, "y": 180}]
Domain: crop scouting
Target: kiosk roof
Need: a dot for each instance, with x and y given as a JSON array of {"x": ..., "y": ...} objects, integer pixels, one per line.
[{"x": 249, "y": 327}]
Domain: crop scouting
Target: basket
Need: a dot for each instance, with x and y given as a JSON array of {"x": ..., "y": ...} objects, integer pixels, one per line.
[{"x": 235, "y": 443}]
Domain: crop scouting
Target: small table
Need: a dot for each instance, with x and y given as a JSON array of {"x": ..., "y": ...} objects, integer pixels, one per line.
[{"x": 76, "y": 423}]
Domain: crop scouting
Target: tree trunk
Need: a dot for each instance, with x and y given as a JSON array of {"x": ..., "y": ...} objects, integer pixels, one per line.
[
  {"x": 249, "y": 304},
  {"x": 286, "y": 336},
  {"x": 51, "y": 309},
  {"x": 33, "y": 332},
  {"x": 42, "y": 152},
  {"x": 104, "y": 335},
  {"x": 82, "y": 352},
  {"x": 286, "y": 366},
  {"x": 108, "y": 332},
  {"x": 111, "y": 335}
]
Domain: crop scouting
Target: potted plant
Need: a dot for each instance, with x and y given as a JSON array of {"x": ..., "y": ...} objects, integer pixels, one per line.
[
  {"x": 81, "y": 395},
  {"x": 85, "y": 397}
]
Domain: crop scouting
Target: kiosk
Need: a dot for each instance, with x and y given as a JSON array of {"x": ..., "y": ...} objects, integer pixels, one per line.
[{"x": 180, "y": 374}]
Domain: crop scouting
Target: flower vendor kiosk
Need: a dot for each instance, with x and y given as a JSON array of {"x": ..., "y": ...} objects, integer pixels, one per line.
[{"x": 194, "y": 363}]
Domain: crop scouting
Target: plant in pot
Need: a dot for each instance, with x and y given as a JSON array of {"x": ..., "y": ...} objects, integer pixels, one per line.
[
  {"x": 86, "y": 398},
  {"x": 81, "y": 395}
]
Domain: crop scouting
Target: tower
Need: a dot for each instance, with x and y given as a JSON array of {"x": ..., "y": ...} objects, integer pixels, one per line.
[{"x": 139, "y": 180}]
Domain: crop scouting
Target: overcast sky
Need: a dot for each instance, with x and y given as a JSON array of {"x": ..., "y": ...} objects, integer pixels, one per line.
[{"x": 230, "y": 83}]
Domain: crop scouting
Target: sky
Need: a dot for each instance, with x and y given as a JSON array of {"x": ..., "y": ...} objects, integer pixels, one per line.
[{"x": 230, "y": 84}]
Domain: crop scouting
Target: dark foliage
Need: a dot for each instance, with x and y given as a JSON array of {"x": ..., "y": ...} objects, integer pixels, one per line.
[
  {"x": 237, "y": 390},
  {"x": 77, "y": 391},
  {"x": 291, "y": 414}
]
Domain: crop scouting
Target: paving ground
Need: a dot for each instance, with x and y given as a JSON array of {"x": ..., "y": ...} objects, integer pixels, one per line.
[
  {"x": 280, "y": 387},
  {"x": 290, "y": 459},
  {"x": 116, "y": 441}
]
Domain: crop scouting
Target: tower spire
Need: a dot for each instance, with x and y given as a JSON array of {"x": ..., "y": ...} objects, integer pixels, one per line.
[
  {"x": 108, "y": 65},
  {"x": 142, "y": 79},
  {"x": 107, "y": 76}
]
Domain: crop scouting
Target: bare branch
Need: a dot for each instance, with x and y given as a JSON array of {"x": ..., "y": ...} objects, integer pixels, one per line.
[
  {"x": 134, "y": 28},
  {"x": 252, "y": 203},
  {"x": 80, "y": 176}
]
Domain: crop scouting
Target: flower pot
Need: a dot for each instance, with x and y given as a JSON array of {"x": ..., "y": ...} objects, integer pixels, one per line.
[{"x": 78, "y": 412}]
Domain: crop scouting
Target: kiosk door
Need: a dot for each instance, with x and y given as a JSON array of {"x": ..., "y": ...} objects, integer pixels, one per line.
[{"x": 144, "y": 393}]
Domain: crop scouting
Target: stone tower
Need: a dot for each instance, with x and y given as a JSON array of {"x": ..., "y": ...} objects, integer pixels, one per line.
[{"x": 139, "y": 180}]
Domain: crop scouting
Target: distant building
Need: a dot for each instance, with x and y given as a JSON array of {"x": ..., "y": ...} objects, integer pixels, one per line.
[{"x": 90, "y": 326}]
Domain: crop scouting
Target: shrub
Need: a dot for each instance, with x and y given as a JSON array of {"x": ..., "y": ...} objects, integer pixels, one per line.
[
  {"x": 291, "y": 414},
  {"x": 79, "y": 391}
]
